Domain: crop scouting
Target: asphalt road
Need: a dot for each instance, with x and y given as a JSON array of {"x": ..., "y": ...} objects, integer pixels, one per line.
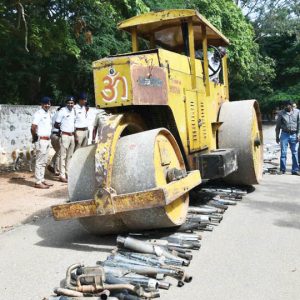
[{"x": 253, "y": 254}]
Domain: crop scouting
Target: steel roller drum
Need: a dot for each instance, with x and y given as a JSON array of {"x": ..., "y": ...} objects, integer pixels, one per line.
[
  {"x": 82, "y": 186},
  {"x": 242, "y": 130},
  {"x": 141, "y": 162}
]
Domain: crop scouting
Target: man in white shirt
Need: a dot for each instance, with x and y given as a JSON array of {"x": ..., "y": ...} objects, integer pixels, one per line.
[
  {"x": 81, "y": 122},
  {"x": 65, "y": 121},
  {"x": 54, "y": 166},
  {"x": 41, "y": 131}
]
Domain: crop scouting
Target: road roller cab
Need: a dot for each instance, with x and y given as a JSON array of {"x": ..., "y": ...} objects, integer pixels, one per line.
[
  {"x": 168, "y": 123},
  {"x": 166, "y": 82}
]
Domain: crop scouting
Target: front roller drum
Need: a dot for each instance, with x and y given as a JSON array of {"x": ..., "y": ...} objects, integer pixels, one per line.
[
  {"x": 82, "y": 185},
  {"x": 142, "y": 161}
]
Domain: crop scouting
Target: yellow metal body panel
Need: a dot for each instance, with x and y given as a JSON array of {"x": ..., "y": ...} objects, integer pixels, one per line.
[
  {"x": 113, "y": 78},
  {"x": 205, "y": 60},
  {"x": 195, "y": 110},
  {"x": 192, "y": 117},
  {"x": 168, "y": 156},
  {"x": 134, "y": 39},
  {"x": 192, "y": 52},
  {"x": 256, "y": 149},
  {"x": 112, "y": 82}
]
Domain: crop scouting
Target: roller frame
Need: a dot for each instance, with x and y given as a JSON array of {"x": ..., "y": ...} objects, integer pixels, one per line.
[
  {"x": 112, "y": 203},
  {"x": 106, "y": 201}
]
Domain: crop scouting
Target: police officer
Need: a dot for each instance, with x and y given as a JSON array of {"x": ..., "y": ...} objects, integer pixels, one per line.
[
  {"x": 54, "y": 166},
  {"x": 65, "y": 121},
  {"x": 81, "y": 122},
  {"x": 41, "y": 131}
]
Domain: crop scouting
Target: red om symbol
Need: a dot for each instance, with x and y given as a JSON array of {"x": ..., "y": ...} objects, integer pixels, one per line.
[{"x": 110, "y": 91}]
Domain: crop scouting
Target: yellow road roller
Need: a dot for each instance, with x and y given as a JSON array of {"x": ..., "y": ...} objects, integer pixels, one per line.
[{"x": 168, "y": 125}]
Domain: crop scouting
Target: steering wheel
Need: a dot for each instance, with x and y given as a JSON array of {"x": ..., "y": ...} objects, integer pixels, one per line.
[{"x": 219, "y": 58}]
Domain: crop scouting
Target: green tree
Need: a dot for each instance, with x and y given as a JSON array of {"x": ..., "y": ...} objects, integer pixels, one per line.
[
  {"x": 285, "y": 50},
  {"x": 272, "y": 17},
  {"x": 250, "y": 73},
  {"x": 277, "y": 31},
  {"x": 63, "y": 38}
]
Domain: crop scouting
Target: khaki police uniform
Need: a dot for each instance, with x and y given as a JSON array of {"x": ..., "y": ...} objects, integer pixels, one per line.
[
  {"x": 55, "y": 142},
  {"x": 81, "y": 126},
  {"x": 42, "y": 120},
  {"x": 66, "y": 118}
]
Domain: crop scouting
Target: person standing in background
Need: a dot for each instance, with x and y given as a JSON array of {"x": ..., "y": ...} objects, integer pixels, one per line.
[
  {"x": 295, "y": 105},
  {"x": 288, "y": 133},
  {"x": 65, "y": 121},
  {"x": 53, "y": 167},
  {"x": 296, "y": 108},
  {"x": 81, "y": 122},
  {"x": 41, "y": 131}
]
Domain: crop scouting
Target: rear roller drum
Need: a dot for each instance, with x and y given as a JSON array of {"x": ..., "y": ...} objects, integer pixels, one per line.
[{"x": 242, "y": 130}]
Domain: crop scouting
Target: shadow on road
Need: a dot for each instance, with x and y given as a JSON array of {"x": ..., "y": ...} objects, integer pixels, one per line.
[
  {"x": 21, "y": 181},
  {"x": 71, "y": 235},
  {"x": 289, "y": 224},
  {"x": 292, "y": 208},
  {"x": 61, "y": 193},
  {"x": 283, "y": 187},
  {"x": 289, "y": 207},
  {"x": 284, "y": 190}
]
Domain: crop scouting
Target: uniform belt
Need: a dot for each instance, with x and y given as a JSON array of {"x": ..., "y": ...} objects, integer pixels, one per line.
[
  {"x": 67, "y": 133},
  {"x": 82, "y": 129},
  {"x": 44, "y": 138},
  {"x": 55, "y": 132},
  {"x": 290, "y": 131}
]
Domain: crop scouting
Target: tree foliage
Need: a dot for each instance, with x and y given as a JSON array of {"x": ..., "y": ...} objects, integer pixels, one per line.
[
  {"x": 277, "y": 32},
  {"x": 286, "y": 85},
  {"x": 272, "y": 17},
  {"x": 64, "y": 37},
  {"x": 250, "y": 72}
]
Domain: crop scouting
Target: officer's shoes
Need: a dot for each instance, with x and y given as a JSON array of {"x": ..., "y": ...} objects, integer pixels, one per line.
[
  {"x": 296, "y": 173},
  {"x": 47, "y": 183},
  {"x": 41, "y": 186},
  {"x": 63, "y": 179}
]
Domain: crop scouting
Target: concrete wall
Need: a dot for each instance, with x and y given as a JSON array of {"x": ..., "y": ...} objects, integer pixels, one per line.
[{"x": 15, "y": 123}]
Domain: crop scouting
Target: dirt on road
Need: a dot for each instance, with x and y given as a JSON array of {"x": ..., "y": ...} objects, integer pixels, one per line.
[{"x": 21, "y": 203}]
